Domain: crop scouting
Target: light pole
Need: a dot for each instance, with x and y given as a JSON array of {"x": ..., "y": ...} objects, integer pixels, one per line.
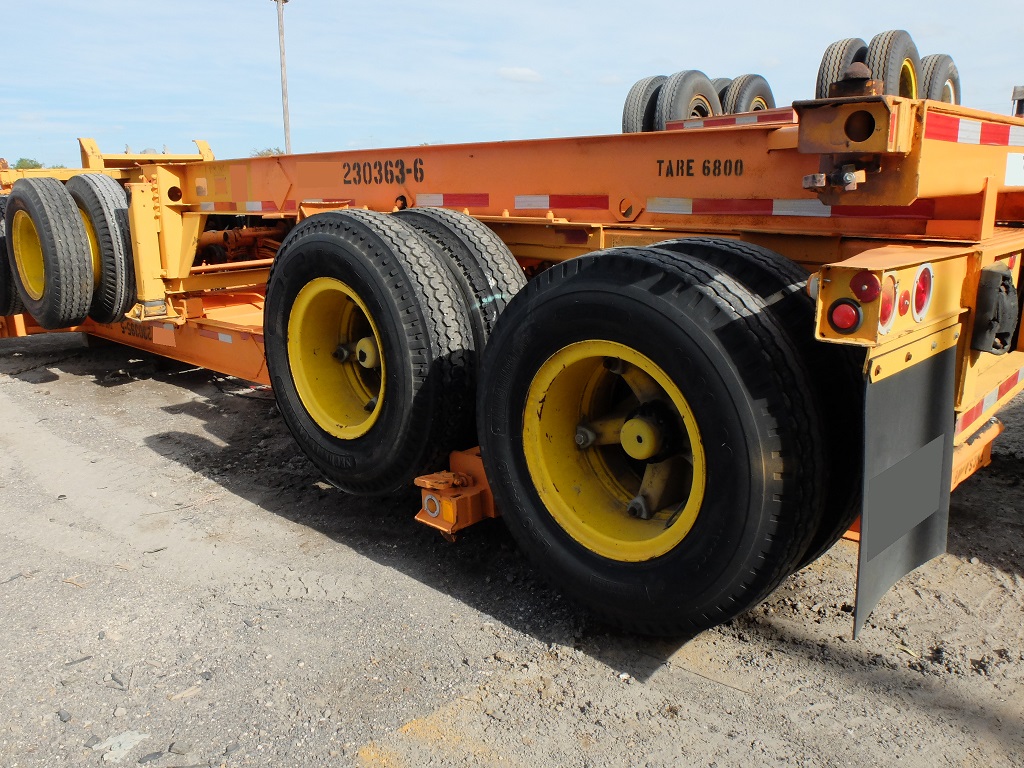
[{"x": 284, "y": 77}]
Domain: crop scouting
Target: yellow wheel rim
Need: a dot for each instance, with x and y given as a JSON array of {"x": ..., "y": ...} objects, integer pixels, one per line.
[
  {"x": 700, "y": 107},
  {"x": 94, "y": 249},
  {"x": 591, "y": 410},
  {"x": 28, "y": 255},
  {"x": 908, "y": 80},
  {"x": 336, "y": 359},
  {"x": 759, "y": 105}
]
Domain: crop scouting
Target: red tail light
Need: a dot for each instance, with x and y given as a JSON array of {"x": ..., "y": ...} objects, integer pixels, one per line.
[
  {"x": 866, "y": 286},
  {"x": 923, "y": 284},
  {"x": 845, "y": 316},
  {"x": 887, "y": 305}
]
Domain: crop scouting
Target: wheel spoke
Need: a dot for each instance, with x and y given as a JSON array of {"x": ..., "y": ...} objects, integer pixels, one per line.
[
  {"x": 664, "y": 482},
  {"x": 643, "y": 387}
]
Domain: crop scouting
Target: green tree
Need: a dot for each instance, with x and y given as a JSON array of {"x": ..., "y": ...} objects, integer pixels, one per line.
[
  {"x": 25, "y": 164},
  {"x": 268, "y": 152}
]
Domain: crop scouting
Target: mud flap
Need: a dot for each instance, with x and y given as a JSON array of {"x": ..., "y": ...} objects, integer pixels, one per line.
[{"x": 908, "y": 464}]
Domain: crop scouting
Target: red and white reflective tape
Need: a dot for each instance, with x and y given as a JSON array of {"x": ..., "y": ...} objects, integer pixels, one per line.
[
  {"x": 561, "y": 202},
  {"x": 266, "y": 206},
  {"x": 217, "y": 335},
  {"x": 962, "y": 130},
  {"x": 967, "y": 418},
  {"x": 454, "y": 200},
  {"x": 686, "y": 206},
  {"x": 780, "y": 115}
]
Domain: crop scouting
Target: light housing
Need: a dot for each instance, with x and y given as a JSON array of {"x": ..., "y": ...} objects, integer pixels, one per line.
[
  {"x": 924, "y": 284},
  {"x": 845, "y": 316}
]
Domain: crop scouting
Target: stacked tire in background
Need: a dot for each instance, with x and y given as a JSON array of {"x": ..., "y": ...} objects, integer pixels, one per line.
[
  {"x": 654, "y": 101},
  {"x": 891, "y": 57}
]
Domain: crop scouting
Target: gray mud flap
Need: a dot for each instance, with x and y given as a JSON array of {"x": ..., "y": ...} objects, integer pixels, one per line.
[{"x": 908, "y": 464}]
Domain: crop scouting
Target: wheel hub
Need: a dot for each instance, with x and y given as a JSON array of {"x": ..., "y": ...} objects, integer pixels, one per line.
[
  {"x": 614, "y": 450},
  {"x": 640, "y": 438},
  {"x": 334, "y": 353}
]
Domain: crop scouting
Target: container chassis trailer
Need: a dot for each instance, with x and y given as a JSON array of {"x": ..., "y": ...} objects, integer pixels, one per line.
[{"x": 690, "y": 358}]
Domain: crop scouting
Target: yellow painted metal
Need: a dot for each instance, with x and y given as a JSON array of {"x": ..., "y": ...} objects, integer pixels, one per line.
[
  {"x": 908, "y": 79},
  {"x": 640, "y": 438},
  {"x": 367, "y": 352},
  {"x": 457, "y": 499},
  {"x": 210, "y": 281},
  {"x": 857, "y": 125},
  {"x": 28, "y": 254},
  {"x": 972, "y": 455},
  {"x": 94, "y": 160},
  {"x": 588, "y": 490},
  {"x": 94, "y": 249},
  {"x": 327, "y": 322},
  {"x": 149, "y": 272},
  {"x": 885, "y": 362},
  {"x": 951, "y": 265}
]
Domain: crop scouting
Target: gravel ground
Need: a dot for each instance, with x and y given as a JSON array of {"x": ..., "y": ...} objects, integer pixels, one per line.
[{"x": 179, "y": 588}]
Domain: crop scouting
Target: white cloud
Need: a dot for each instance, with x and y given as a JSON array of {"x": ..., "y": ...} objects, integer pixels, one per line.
[{"x": 520, "y": 75}]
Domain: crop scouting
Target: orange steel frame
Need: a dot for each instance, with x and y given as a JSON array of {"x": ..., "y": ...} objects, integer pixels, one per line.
[{"x": 930, "y": 182}]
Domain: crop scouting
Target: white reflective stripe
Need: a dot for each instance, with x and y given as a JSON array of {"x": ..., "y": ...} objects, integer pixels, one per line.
[
  {"x": 532, "y": 201},
  {"x": 969, "y": 132},
  {"x": 168, "y": 326},
  {"x": 1016, "y": 136},
  {"x": 1014, "y": 169},
  {"x": 746, "y": 119},
  {"x": 990, "y": 400},
  {"x": 800, "y": 208},
  {"x": 693, "y": 124},
  {"x": 225, "y": 337},
  {"x": 430, "y": 201},
  {"x": 206, "y": 206},
  {"x": 678, "y": 205},
  {"x": 254, "y": 205}
]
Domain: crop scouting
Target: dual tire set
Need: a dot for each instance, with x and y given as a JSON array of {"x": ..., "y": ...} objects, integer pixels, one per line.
[
  {"x": 648, "y": 420},
  {"x": 66, "y": 251},
  {"x": 892, "y": 57},
  {"x": 654, "y": 101}
]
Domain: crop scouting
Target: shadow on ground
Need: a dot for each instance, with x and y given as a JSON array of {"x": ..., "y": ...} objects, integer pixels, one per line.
[{"x": 248, "y": 451}]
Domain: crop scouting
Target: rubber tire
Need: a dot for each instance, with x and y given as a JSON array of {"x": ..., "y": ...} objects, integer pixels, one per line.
[
  {"x": 424, "y": 331},
  {"x": 744, "y": 91},
  {"x": 937, "y": 69},
  {"x": 484, "y": 269},
  {"x": 10, "y": 301},
  {"x": 678, "y": 94},
  {"x": 67, "y": 264},
  {"x": 105, "y": 205},
  {"x": 641, "y": 103},
  {"x": 720, "y": 84},
  {"x": 707, "y": 333},
  {"x": 835, "y": 372},
  {"x": 886, "y": 53},
  {"x": 836, "y": 60}
]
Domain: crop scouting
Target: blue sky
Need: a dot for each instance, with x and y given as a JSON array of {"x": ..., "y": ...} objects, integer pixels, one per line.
[{"x": 155, "y": 73}]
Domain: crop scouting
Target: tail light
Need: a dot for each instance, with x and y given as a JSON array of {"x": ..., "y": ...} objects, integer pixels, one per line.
[
  {"x": 866, "y": 286},
  {"x": 887, "y": 304},
  {"x": 845, "y": 316},
  {"x": 922, "y": 298}
]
